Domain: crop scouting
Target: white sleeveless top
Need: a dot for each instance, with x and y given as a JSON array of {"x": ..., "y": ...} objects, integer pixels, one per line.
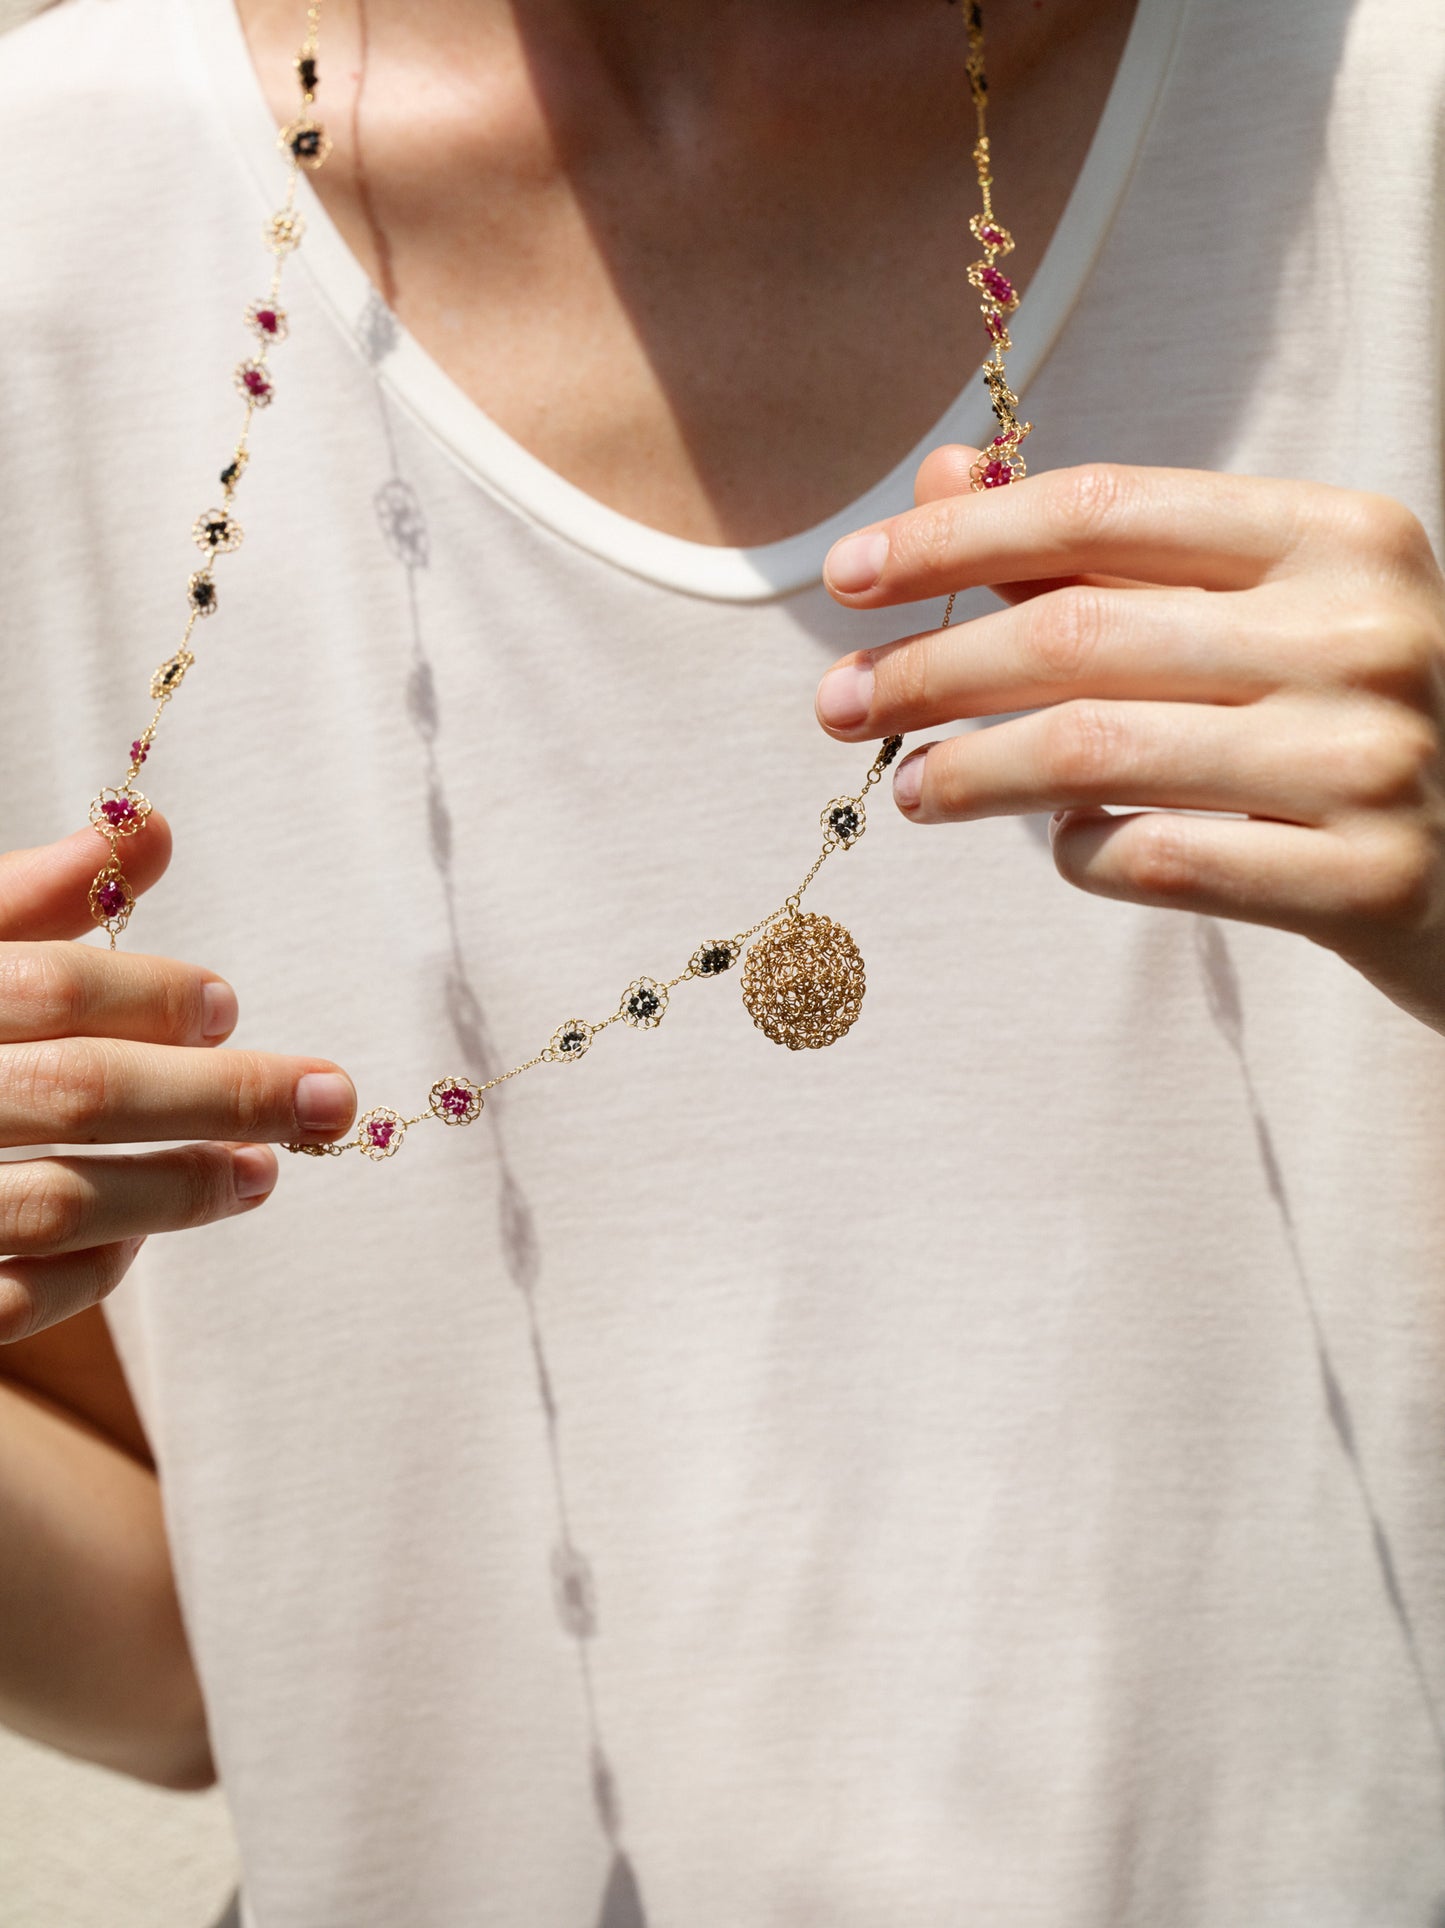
[{"x": 992, "y": 1471}]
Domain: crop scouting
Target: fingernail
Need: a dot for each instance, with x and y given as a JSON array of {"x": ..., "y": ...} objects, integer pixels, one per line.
[
  {"x": 219, "y": 1009},
  {"x": 254, "y": 1170},
  {"x": 324, "y": 1101},
  {"x": 857, "y": 561},
  {"x": 908, "y": 781},
  {"x": 845, "y": 694}
]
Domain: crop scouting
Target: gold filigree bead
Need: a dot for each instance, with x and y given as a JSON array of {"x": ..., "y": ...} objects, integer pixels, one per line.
[
  {"x": 380, "y": 1132},
  {"x": 111, "y": 899},
  {"x": 456, "y": 1101},
  {"x": 119, "y": 813},
  {"x": 843, "y": 821},
  {"x": 570, "y": 1041},
  {"x": 994, "y": 283},
  {"x": 266, "y": 320},
  {"x": 713, "y": 958},
  {"x": 991, "y": 234},
  {"x": 254, "y": 383},
  {"x": 1000, "y": 462},
  {"x": 997, "y": 329},
  {"x": 217, "y": 532},
  {"x": 803, "y": 981},
  {"x": 284, "y": 230},
  {"x": 307, "y": 141},
  {"x": 168, "y": 678},
  {"x": 643, "y": 1003},
  {"x": 201, "y": 593},
  {"x": 1000, "y": 395}
]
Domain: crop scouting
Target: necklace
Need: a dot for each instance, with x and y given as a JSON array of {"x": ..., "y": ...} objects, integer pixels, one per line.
[{"x": 802, "y": 974}]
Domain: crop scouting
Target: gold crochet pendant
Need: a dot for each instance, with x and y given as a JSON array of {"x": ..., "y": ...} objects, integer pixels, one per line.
[{"x": 803, "y": 981}]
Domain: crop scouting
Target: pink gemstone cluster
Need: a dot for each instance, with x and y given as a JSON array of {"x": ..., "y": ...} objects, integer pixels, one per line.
[
  {"x": 999, "y": 286},
  {"x": 255, "y": 384},
  {"x": 1000, "y": 464}
]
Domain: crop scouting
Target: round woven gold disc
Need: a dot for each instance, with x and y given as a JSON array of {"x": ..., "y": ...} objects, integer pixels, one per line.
[{"x": 803, "y": 981}]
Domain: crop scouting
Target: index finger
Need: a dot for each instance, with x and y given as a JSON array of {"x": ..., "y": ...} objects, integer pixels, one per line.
[
  {"x": 945, "y": 471},
  {"x": 113, "y": 1091},
  {"x": 44, "y": 892},
  {"x": 1174, "y": 527}
]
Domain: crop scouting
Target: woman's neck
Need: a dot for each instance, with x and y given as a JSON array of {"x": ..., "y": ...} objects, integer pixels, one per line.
[{"x": 705, "y": 261}]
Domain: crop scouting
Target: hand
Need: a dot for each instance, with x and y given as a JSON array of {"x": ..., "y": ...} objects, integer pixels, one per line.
[
  {"x": 1188, "y": 641},
  {"x": 101, "y": 1046}
]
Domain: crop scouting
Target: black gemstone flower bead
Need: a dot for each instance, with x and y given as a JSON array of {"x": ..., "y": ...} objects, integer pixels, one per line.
[
  {"x": 643, "y": 1003},
  {"x": 569, "y": 1041},
  {"x": 891, "y": 746},
  {"x": 167, "y": 679},
  {"x": 307, "y": 140},
  {"x": 711, "y": 960},
  {"x": 843, "y": 822},
  {"x": 217, "y": 532},
  {"x": 201, "y": 593}
]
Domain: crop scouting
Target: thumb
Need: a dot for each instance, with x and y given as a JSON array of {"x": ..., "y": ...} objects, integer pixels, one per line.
[
  {"x": 43, "y": 892},
  {"x": 943, "y": 471}
]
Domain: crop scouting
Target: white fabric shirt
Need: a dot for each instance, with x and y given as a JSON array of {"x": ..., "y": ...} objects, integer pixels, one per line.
[{"x": 989, "y": 1471}]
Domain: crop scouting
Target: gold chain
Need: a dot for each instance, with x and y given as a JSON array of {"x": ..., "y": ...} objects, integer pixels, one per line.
[{"x": 803, "y": 979}]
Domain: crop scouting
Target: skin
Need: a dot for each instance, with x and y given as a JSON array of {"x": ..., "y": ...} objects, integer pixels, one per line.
[
  {"x": 96, "y": 1048},
  {"x": 101, "y": 1047},
  {"x": 1188, "y": 641},
  {"x": 703, "y": 258}
]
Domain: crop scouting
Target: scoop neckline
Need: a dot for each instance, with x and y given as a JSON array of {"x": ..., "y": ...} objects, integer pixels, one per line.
[{"x": 507, "y": 471}]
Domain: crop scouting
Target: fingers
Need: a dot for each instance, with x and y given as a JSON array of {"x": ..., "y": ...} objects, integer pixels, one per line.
[
  {"x": 36, "y": 1293},
  {"x": 944, "y": 471},
  {"x": 1174, "y": 644},
  {"x": 43, "y": 892},
  {"x": 1191, "y": 755},
  {"x": 1167, "y": 526},
  {"x": 67, "y": 990},
  {"x": 90, "y": 1091},
  {"x": 50, "y": 1206},
  {"x": 1314, "y": 882}
]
